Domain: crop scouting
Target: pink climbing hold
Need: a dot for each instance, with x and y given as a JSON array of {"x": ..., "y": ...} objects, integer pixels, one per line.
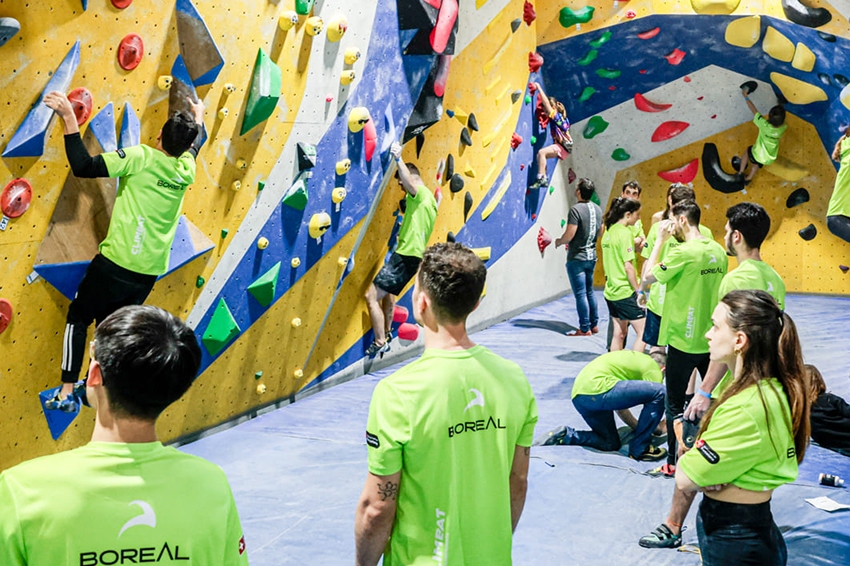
[
  {"x": 370, "y": 139},
  {"x": 631, "y": 14},
  {"x": 434, "y": 3},
  {"x": 675, "y": 57},
  {"x": 649, "y": 34},
  {"x": 543, "y": 238},
  {"x": 645, "y": 105},
  {"x": 684, "y": 174},
  {"x": 669, "y": 130},
  {"x": 408, "y": 332},
  {"x": 571, "y": 176},
  {"x": 528, "y": 13},
  {"x": 400, "y": 314},
  {"x": 329, "y": 98},
  {"x": 445, "y": 24},
  {"x": 535, "y": 61},
  {"x": 442, "y": 77},
  {"x": 516, "y": 139},
  {"x": 438, "y": 195}
]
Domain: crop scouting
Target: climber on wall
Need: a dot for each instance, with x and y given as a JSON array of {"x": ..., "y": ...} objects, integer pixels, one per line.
[
  {"x": 144, "y": 220},
  {"x": 766, "y": 147},
  {"x": 838, "y": 213},
  {"x": 559, "y": 128}
]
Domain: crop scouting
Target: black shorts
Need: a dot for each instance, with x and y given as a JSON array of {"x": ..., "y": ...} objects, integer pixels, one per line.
[
  {"x": 396, "y": 273},
  {"x": 753, "y": 160},
  {"x": 626, "y": 309},
  {"x": 651, "y": 328}
]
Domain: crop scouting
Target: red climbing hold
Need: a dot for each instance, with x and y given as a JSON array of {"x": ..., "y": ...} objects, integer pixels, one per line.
[
  {"x": 669, "y": 130},
  {"x": 434, "y": 3},
  {"x": 675, "y": 57},
  {"x": 370, "y": 139},
  {"x": 16, "y": 198},
  {"x": 687, "y": 79},
  {"x": 612, "y": 87},
  {"x": 642, "y": 71},
  {"x": 516, "y": 139},
  {"x": 528, "y": 13},
  {"x": 535, "y": 61},
  {"x": 645, "y": 105},
  {"x": 700, "y": 97},
  {"x": 713, "y": 116},
  {"x": 522, "y": 168},
  {"x": 543, "y": 239},
  {"x": 408, "y": 332},
  {"x": 684, "y": 174},
  {"x": 571, "y": 176},
  {"x": 442, "y": 75},
  {"x": 121, "y": 4},
  {"x": 400, "y": 314},
  {"x": 631, "y": 14},
  {"x": 130, "y": 51},
  {"x": 649, "y": 34},
  {"x": 5, "y": 314},
  {"x": 445, "y": 25},
  {"x": 532, "y": 88},
  {"x": 81, "y": 100}
]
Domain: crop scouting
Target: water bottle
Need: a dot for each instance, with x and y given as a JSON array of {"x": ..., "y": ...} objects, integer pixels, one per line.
[{"x": 830, "y": 480}]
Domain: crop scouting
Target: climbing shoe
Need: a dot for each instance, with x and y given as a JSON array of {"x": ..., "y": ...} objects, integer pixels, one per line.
[
  {"x": 666, "y": 470},
  {"x": 540, "y": 183},
  {"x": 651, "y": 454},
  {"x": 70, "y": 404},
  {"x": 558, "y": 437},
  {"x": 375, "y": 349},
  {"x": 661, "y": 537},
  {"x": 80, "y": 392}
]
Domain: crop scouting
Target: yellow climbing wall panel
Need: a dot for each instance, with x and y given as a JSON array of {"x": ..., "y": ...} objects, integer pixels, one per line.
[
  {"x": 807, "y": 267},
  {"x": 31, "y": 347}
]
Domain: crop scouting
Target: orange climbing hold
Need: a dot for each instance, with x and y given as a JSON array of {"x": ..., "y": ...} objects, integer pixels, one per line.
[
  {"x": 675, "y": 57},
  {"x": 669, "y": 130},
  {"x": 649, "y": 34},
  {"x": 81, "y": 100},
  {"x": 645, "y": 105},
  {"x": 543, "y": 239},
  {"x": 684, "y": 174},
  {"x": 535, "y": 61}
]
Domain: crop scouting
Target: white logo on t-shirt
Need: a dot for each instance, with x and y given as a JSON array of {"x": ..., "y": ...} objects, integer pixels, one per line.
[
  {"x": 713, "y": 259},
  {"x": 769, "y": 286},
  {"x": 148, "y": 517},
  {"x": 479, "y": 400}
]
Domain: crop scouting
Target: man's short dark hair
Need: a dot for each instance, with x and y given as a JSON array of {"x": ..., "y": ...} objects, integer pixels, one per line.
[
  {"x": 148, "y": 359},
  {"x": 453, "y": 278},
  {"x": 689, "y": 209},
  {"x": 751, "y": 220},
  {"x": 178, "y": 133},
  {"x": 632, "y": 185},
  {"x": 413, "y": 169},
  {"x": 586, "y": 188},
  {"x": 679, "y": 192}
]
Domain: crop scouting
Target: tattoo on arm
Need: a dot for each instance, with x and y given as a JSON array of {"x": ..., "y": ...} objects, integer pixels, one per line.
[{"x": 388, "y": 490}]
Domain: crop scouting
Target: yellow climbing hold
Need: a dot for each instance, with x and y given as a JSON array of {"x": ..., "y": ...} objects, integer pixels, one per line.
[
  {"x": 787, "y": 169},
  {"x": 804, "y": 59},
  {"x": 797, "y": 91},
  {"x": 461, "y": 116},
  {"x": 469, "y": 171},
  {"x": 845, "y": 97},
  {"x": 714, "y": 6},
  {"x": 777, "y": 45},
  {"x": 744, "y": 32},
  {"x": 482, "y": 253}
]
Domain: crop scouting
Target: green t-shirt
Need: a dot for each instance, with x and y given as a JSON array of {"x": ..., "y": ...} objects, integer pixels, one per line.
[
  {"x": 839, "y": 203},
  {"x": 754, "y": 447},
  {"x": 147, "y": 206},
  {"x": 419, "y": 216},
  {"x": 657, "y": 291},
  {"x": 603, "y": 373},
  {"x": 692, "y": 272},
  {"x": 618, "y": 247},
  {"x": 105, "y": 503},
  {"x": 766, "y": 146},
  {"x": 450, "y": 422},
  {"x": 637, "y": 229}
]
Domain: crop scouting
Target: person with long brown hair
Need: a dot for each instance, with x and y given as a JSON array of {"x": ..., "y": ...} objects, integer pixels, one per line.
[{"x": 752, "y": 440}]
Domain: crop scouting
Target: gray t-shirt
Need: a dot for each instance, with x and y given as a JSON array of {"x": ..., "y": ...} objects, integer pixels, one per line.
[{"x": 587, "y": 217}]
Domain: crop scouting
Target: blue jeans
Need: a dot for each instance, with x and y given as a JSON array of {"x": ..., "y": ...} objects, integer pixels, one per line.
[
  {"x": 598, "y": 412},
  {"x": 581, "y": 280}
]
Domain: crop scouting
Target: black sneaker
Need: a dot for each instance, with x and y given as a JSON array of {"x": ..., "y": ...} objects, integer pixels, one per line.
[
  {"x": 374, "y": 349},
  {"x": 558, "y": 437},
  {"x": 651, "y": 454},
  {"x": 540, "y": 183},
  {"x": 661, "y": 537}
]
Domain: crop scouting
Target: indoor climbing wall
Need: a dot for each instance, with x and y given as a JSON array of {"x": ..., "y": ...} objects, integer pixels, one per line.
[{"x": 295, "y": 207}]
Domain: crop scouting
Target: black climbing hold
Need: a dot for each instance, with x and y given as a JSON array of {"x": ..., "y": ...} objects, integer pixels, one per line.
[
  {"x": 797, "y": 198},
  {"x": 467, "y": 204},
  {"x": 515, "y": 96},
  {"x": 450, "y": 237},
  {"x": 803, "y": 15},
  {"x": 780, "y": 99},
  {"x": 306, "y": 156},
  {"x": 715, "y": 176},
  {"x": 749, "y": 86},
  {"x": 736, "y": 162},
  {"x": 402, "y": 205},
  {"x": 824, "y": 78},
  {"x": 450, "y": 167},
  {"x": 465, "y": 138},
  {"x": 515, "y": 25},
  {"x": 472, "y": 122},
  {"x": 844, "y": 268},
  {"x": 456, "y": 184},
  {"x": 808, "y": 233},
  {"x": 827, "y": 36},
  {"x": 420, "y": 141},
  {"x": 841, "y": 80}
]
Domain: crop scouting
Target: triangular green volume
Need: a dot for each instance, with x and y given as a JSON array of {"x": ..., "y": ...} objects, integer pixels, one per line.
[
  {"x": 296, "y": 196},
  {"x": 264, "y": 92},
  {"x": 221, "y": 329},
  {"x": 263, "y": 288}
]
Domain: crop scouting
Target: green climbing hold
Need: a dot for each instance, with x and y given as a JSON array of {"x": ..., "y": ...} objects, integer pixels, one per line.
[
  {"x": 594, "y": 198},
  {"x": 261, "y": 185},
  {"x": 199, "y": 282},
  {"x": 263, "y": 289},
  {"x": 588, "y": 59},
  {"x": 620, "y": 154},
  {"x": 563, "y": 222},
  {"x": 569, "y": 17},
  {"x": 601, "y": 40},
  {"x": 221, "y": 329},
  {"x": 551, "y": 189},
  {"x": 224, "y": 232},
  {"x": 303, "y": 7},
  {"x": 296, "y": 197},
  {"x": 258, "y": 375},
  {"x": 533, "y": 140},
  {"x": 528, "y": 99},
  {"x": 608, "y": 73},
  {"x": 595, "y": 126},
  {"x": 264, "y": 92},
  {"x": 586, "y": 94}
]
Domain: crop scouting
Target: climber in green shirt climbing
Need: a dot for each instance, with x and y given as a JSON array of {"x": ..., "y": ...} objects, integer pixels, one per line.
[{"x": 765, "y": 150}]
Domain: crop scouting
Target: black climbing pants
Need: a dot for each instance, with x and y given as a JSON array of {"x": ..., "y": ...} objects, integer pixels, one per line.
[
  {"x": 840, "y": 226},
  {"x": 105, "y": 288},
  {"x": 680, "y": 366}
]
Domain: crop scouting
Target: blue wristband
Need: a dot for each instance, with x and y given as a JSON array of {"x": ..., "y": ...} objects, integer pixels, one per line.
[{"x": 703, "y": 393}]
